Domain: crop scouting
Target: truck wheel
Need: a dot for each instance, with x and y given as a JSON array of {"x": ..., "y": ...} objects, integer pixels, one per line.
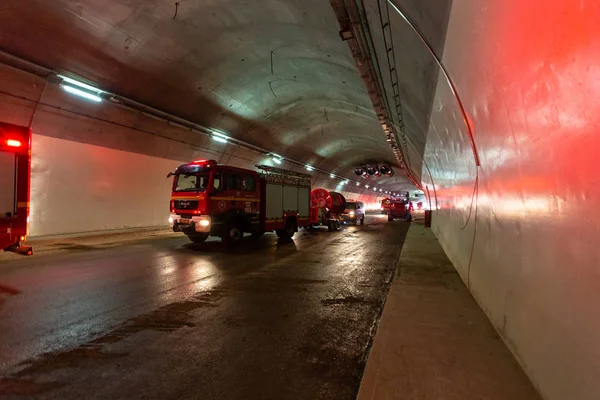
[
  {"x": 198, "y": 237},
  {"x": 362, "y": 221},
  {"x": 233, "y": 234},
  {"x": 330, "y": 226},
  {"x": 390, "y": 218},
  {"x": 290, "y": 229}
]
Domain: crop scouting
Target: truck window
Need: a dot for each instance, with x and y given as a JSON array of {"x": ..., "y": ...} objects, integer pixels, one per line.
[
  {"x": 249, "y": 184},
  {"x": 191, "y": 182},
  {"x": 233, "y": 181},
  {"x": 217, "y": 182}
]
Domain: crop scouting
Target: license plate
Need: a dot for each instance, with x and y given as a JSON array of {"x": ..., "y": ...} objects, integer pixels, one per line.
[{"x": 183, "y": 221}]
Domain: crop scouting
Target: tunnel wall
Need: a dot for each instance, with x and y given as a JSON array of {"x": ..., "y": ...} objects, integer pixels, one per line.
[
  {"x": 99, "y": 167},
  {"x": 522, "y": 229}
]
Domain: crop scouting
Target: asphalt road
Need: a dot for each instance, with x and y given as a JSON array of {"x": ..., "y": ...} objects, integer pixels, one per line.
[{"x": 166, "y": 319}]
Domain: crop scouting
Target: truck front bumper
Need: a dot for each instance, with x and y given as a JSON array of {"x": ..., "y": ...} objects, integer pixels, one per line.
[
  {"x": 197, "y": 223},
  {"x": 348, "y": 217}
]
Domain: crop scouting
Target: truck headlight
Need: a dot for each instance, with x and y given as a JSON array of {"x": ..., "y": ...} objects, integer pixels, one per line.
[
  {"x": 204, "y": 221},
  {"x": 351, "y": 213}
]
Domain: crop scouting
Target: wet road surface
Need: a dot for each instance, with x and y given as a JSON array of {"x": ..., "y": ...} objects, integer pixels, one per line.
[{"x": 168, "y": 319}]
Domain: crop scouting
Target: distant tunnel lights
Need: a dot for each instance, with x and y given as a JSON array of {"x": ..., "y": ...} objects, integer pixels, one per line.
[{"x": 331, "y": 175}]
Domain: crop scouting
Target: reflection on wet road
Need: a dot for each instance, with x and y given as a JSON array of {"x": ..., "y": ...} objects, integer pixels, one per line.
[{"x": 169, "y": 319}]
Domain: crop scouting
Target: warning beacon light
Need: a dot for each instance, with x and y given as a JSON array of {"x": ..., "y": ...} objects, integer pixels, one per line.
[
  {"x": 204, "y": 162},
  {"x": 13, "y": 143}
]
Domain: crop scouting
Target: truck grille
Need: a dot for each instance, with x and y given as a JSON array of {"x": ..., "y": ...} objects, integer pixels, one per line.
[{"x": 186, "y": 204}]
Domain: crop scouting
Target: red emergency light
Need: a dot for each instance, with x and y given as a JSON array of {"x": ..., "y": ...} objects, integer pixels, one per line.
[
  {"x": 13, "y": 143},
  {"x": 205, "y": 162}
]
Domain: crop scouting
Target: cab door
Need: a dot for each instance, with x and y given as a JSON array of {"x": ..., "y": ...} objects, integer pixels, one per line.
[
  {"x": 233, "y": 186},
  {"x": 249, "y": 193}
]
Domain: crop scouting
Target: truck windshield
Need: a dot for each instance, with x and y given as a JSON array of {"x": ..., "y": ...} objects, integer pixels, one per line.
[
  {"x": 191, "y": 182},
  {"x": 351, "y": 206}
]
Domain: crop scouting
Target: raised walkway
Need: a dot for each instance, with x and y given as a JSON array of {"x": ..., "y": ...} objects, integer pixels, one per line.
[{"x": 433, "y": 341}]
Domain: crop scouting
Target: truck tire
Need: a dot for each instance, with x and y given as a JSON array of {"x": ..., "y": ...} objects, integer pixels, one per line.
[
  {"x": 390, "y": 218},
  {"x": 330, "y": 226},
  {"x": 233, "y": 234},
  {"x": 362, "y": 220},
  {"x": 198, "y": 237},
  {"x": 290, "y": 229}
]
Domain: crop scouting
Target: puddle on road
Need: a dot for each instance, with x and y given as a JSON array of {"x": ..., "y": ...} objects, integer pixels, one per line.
[
  {"x": 165, "y": 319},
  {"x": 25, "y": 387},
  {"x": 76, "y": 247},
  {"x": 345, "y": 300}
]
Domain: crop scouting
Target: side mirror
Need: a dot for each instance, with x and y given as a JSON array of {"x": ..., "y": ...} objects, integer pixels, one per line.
[{"x": 170, "y": 174}]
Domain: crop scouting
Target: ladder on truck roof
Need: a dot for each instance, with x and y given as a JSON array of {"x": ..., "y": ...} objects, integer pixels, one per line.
[{"x": 279, "y": 175}]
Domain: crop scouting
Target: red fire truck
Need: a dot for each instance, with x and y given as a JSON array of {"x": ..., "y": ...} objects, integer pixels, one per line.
[
  {"x": 326, "y": 209},
  {"x": 209, "y": 199},
  {"x": 15, "y": 170}
]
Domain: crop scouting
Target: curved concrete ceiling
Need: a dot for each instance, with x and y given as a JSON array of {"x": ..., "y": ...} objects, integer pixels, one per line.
[{"x": 272, "y": 73}]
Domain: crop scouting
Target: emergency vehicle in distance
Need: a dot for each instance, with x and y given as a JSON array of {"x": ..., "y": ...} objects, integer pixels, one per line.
[
  {"x": 209, "y": 199},
  {"x": 385, "y": 205},
  {"x": 15, "y": 171}
]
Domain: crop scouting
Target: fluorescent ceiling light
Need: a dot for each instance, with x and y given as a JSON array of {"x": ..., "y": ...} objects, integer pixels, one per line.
[
  {"x": 309, "y": 168},
  {"x": 331, "y": 175},
  {"x": 81, "y": 93},
  {"x": 276, "y": 160},
  {"x": 80, "y": 84},
  {"x": 357, "y": 183},
  {"x": 219, "y": 137}
]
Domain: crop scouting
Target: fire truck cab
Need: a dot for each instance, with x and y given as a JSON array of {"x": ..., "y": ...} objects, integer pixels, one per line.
[
  {"x": 209, "y": 199},
  {"x": 15, "y": 169}
]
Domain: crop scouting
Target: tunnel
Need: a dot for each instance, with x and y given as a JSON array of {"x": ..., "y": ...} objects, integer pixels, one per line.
[{"x": 483, "y": 105}]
